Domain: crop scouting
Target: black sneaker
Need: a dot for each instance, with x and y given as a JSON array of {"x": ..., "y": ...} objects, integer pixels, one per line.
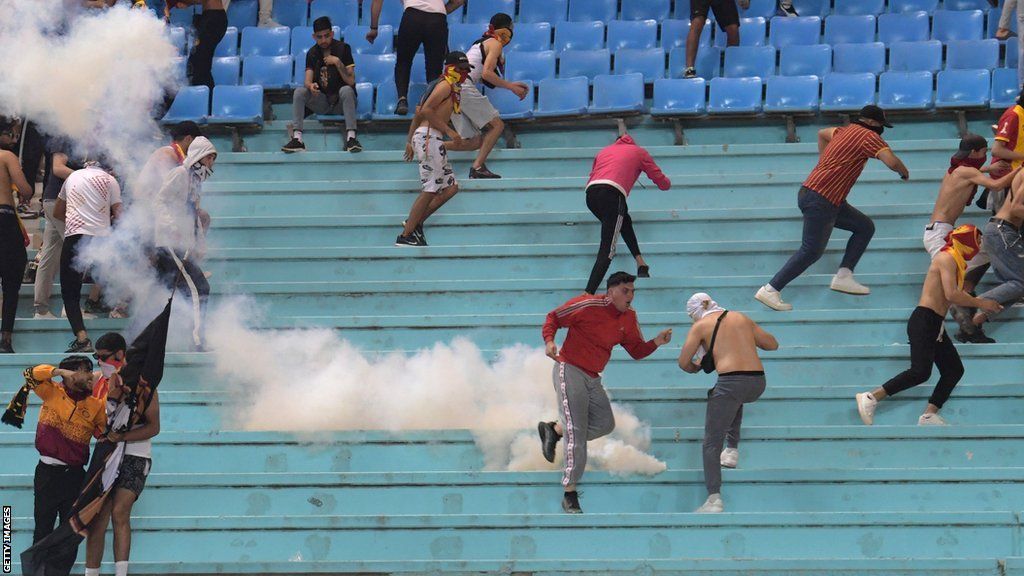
[
  {"x": 787, "y": 9},
  {"x": 643, "y": 272},
  {"x": 94, "y": 307},
  {"x": 30, "y": 272},
  {"x": 977, "y": 336},
  {"x": 25, "y": 212},
  {"x": 482, "y": 172},
  {"x": 410, "y": 240},
  {"x": 77, "y": 347},
  {"x": 402, "y": 107},
  {"x": 548, "y": 440},
  {"x": 571, "y": 503},
  {"x": 690, "y": 72},
  {"x": 294, "y": 145},
  {"x": 6, "y": 347},
  {"x": 418, "y": 233},
  {"x": 352, "y": 145}
]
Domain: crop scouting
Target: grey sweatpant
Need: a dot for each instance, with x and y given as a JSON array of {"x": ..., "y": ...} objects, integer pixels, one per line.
[
  {"x": 49, "y": 258},
  {"x": 586, "y": 414},
  {"x": 723, "y": 418},
  {"x": 346, "y": 104},
  {"x": 1005, "y": 18}
]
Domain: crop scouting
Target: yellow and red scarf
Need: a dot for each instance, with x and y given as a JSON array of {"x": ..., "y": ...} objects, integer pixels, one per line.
[
  {"x": 963, "y": 243},
  {"x": 455, "y": 77}
]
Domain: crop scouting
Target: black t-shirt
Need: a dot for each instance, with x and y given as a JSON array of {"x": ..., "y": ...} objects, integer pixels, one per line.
[
  {"x": 327, "y": 78},
  {"x": 53, "y": 184}
]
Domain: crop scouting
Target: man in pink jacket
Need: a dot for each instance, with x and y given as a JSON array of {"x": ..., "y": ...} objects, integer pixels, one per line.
[{"x": 615, "y": 170}]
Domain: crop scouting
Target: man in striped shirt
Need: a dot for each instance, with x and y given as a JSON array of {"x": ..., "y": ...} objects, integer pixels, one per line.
[{"x": 822, "y": 199}]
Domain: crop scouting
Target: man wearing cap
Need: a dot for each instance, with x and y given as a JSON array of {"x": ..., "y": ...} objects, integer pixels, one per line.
[
  {"x": 726, "y": 341},
  {"x": 1009, "y": 144},
  {"x": 1005, "y": 246},
  {"x": 822, "y": 199}
]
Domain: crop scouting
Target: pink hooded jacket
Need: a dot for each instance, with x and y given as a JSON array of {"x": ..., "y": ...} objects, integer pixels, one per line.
[{"x": 620, "y": 164}]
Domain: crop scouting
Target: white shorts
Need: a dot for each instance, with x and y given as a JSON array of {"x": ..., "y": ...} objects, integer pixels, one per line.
[
  {"x": 436, "y": 173},
  {"x": 935, "y": 240},
  {"x": 475, "y": 112}
]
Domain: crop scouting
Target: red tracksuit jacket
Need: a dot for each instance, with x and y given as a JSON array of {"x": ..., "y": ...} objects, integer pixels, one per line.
[{"x": 595, "y": 327}]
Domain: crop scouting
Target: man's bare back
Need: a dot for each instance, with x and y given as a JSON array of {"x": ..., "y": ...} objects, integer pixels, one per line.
[
  {"x": 1013, "y": 208},
  {"x": 11, "y": 174},
  {"x": 957, "y": 188},
  {"x": 736, "y": 345},
  {"x": 940, "y": 288}
]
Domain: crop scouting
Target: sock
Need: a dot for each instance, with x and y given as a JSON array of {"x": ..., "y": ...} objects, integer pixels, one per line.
[
  {"x": 297, "y": 134},
  {"x": 121, "y": 568},
  {"x": 351, "y": 134},
  {"x": 92, "y": 571},
  {"x": 844, "y": 273}
]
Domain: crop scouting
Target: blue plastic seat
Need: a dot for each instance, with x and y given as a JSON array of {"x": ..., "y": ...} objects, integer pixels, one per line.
[
  {"x": 376, "y": 68},
  {"x": 758, "y": 9},
  {"x": 228, "y": 46},
  {"x": 743, "y": 61},
  {"x": 265, "y": 41},
  {"x": 243, "y": 13},
  {"x": 551, "y": 11},
  {"x": 190, "y": 103},
  {"x": 579, "y": 36},
  {"x": 180, "y": 69},
  {"x": 1012, "y": 55},
  {"x": 226, "y": 70},
  {"x": 842, "y": 92},
  {"x": 972, "y": 55},
  {"x": 387, "y": 100},
  {"x": 965, "y": 4},
  {"x": 521, "y": 66},
  {"x": 962, "y": 88},
  {"x": 734, "y": 96},
  {"x": 182, "y": 17},
  {"x": 462, "y": 36},
  {"x": 618, "y": 93},
  {"x": 509, "y": 105},
  {"x": 237, "y": 105},
  {"x": 791, "y": 94},
  {"x": 806, "y": 60},
  {"x": 858, "y": 58},
  {"x": 176, "y": 36},
  {"x": 819, "y": 8},
  {"x": 290, "y": 12},
  {"x": 456, "y": 16},
  {"x": 343, "y": 13},
  {"x": 587, "y": 63},
  {"x": 480, "y": 11},
  {"x": 904, "y": 27},
  {"x": 355, "y": 36},
  {"x": 953, "y": 25},
  {"x": 708, "y": 62},
  {"x": 993, "y": 23},
  {"x": 563, "y": 97},
  {"x": 802, "y": 31},
  {"x": 531, "y": 36},
  {"x": 649, "y": 62},
  {"x": 752, "y": 32},
  {"x": 270, "y": 72},
  {"x": 928, "y": 6},
  {"x": 364, "y": 100},
  {"x": 857, "y": 7},
  {"x": 588, "y": 10},
  {"x": 674, "y": 33},
  {"x": 849, "y": 29},
  {"x": 1005, "y": 87},
  {"x": 678, "y": 97},
  {"x": 298, "y": 70},
  {"x": 419, "y": 70},
  {"x": 645, "y": 9},
  {"x": 632, "y": 34},
  {"x": 905, "y": 90},
  {"x": 911, "y": 56}
]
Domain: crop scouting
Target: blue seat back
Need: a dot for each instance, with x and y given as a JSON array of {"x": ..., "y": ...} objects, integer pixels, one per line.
[
  {"x": 176, "y": 36},
  {"x": 1005, "y": 87},
  {"x": 847, "y": 91},
  {"x": 298, "y": 70},
  {"x": 1012, "y": 55},
  {"x": 237, "y": 101},
  {"x": 678, "y": 96},
  {"x": 521, "y": 65},
  {"x": 364, "y": 100},
  {"x": 734, "y": 95},
  {"x": 531, "y": 36},
  {"x": 619, "y": 92},
  {"x": 228, "y": 45},
  {"x": 649, "y": 62},
  {"x": 819, "y": 8},
  {"x": 462, "y": 36},
  {"x": 355, "y": 36},
  {"x": 265, "y": 41},
  {"x": 708, "y": 62},
  {"x": 806, "y": 60},
  {"x": 419, "y": 70},
  {"x": 911, "y": 56},
  {"x": 674, "y": 33},
  {"x": 757, "y": 9},
  {"x": 190, "y": 103},
  {"x": 226, "y": 70},
  {"x": 267, "y": 71},
  {"x": 563, "y": 95},
  {"x": 343, "y": 13},
  {"x": 587, "y": 63},
  {"x": 376, "y": 69},
  {"x": 509, "y": 105},
  {"x": 480, "y": 11},
  {"x": 587, "y": 10},
  {"x": 928, "y": 6},
  {"x": 579, "y": 36},
  {"x": 552, "y": 11},
  {"x": 743, "y": 61},
  {"x": 791, "y": 93},
  {"x": 290, "y": 13},
  {"x": 183, "y": 16},
  {"x": 387, "y": 97},
  {"x": 639, "y": 34},
  {"x": 972, "y": 54},
  {"x": 645, "y": 9},
  {"x": 962, "y": 88},
  {"x": 966, "y": 4},
  {"x": 849, "y": 29},
  {"x": 993, "y": 22},
  {"x": 855, "y": 7},
  {"x": 904, "y": 27},
  {"x": 752, "y": 32},
  {"x": 802, "y": 31},
  {"x": 905, "y": 90},
  {"x": 243, "y": 13},
  {"x": 858, "y": 58},
  {"x": 953, "y": 25}
]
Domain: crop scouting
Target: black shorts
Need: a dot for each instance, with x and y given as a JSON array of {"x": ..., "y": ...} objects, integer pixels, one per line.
[
  {"x": 133, "y": 474},
  {"x": 726, "y": 13}
]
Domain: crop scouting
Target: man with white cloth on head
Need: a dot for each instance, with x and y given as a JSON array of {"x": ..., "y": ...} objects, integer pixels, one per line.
[{"x": 726, "y": 341}]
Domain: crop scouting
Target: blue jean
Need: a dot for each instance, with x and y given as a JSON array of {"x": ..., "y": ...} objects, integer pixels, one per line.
[
  {"x": 1005, "y": 247},
  {"x": 820, "y": 217}
]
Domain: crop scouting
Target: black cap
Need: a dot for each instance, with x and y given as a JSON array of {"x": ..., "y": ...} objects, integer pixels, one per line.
[
  {"x": 186, "y": 128},
  {"x": 456, "y": 58},
  {"x": 970, "y": 143},
  {"x": 872, "y": 112}
]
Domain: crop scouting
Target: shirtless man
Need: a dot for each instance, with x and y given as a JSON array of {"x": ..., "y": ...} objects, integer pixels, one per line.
[
  {"x": 730, "y": 340},
  {"x": 929, "y": 343},
  {"x": 12, "y": 237},
  {"x": 958, "y": 188},
  {"x": 1005, "y": 247}
]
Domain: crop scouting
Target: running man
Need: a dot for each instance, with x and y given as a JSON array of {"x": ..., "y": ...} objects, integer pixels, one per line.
[
  {"x": 822, "y": 199},
  {"x": 929, "y": 343},
  {"x": 13, "y": 256},
  {"x": 596, "y": 324},
  {"x": 726, "y": 341},
  {"x": 1005, "y": 246}
]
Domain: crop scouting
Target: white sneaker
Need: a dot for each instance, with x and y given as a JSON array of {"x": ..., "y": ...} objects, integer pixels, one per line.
[
  {"x": 713, "y": 505},
  {"x": 47, "y": 316},
  {"x": 931, "y": 420},
  {"x": 269, "y": 23},
  {"x": 85, "y": 315},
  {"x": 772, "y": 299},
  {"x": 866, "y": 404},
  {"x": 730, "y": 457},
  {"x": 848, "y": 285}
]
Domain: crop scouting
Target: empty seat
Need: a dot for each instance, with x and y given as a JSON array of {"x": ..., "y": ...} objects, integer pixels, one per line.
[
  {"x": 299, "y": 71},
  {"x": 734, "y": 95},
  {"x": 791, "y": 94},
  {"x": 928, "y": 6},
  {"x": 708, "y": 62},
  {"x": 619, "y": 93},
  {"x": 677, "y": 97},
  {"x": 377, "y": 68},
  {"x": 587, "y": 10},
  {"x": 226, "y": 70},
  {"x": 265, "y": 41},
  {"x": 962, "y": 88},
  {"x": 387, "y": 100},
  {"x": 301, "y": 40},
  {"x": 952, "y": 25},
  {"x": 858, "y": 58},
  {"x": 343, "y": 13},
  {"x": 856, "y": 7},
  {"x": 521, "y": 65},
  {"x": 243, "y": 13},
  {"x": 183, "y": 16},
  {"x": 228, "y": 45},
  {"x": 355, "y": 36},
  {"x": 819, "y": 8},
  {"x": 632, "y": 34},
  {"x": 270, "y": 72},
  {"x": 841, "y": 92},
  {"x": 645, "y": 9},
  {"x": 803, "y": 30},
  {"x": 905, "y": 90},
  {"x": 509, "y": 105},
  {"x": 290, "y": 12},
  {"x": 579, "y": 36},
  {"x": 752, "y": 32},
  {"x": 1005, "y": 87},
  {"x": 909, "y": 56},
  {"x": 190, "y": 103},
  {"x": 552, "y": 11},
  {"x": 972, "y": 55},
  {"x": 758, "y": 9},
  {"x": 532, "y": 36},
  {"x": 563, "y": 97},
  {"x": 587, "y": 63},
  {"x": 176, "y": 36},
  {"x": 849, "y": 29},
  {"x": 674, "y": 33},
  {"x": 364, "y": 100},
  {"x": 461, "y": 36},
  {"x": 237, "y": 105},
  {"x": 419, "y": 70},
  {"x": 965, "y": 4},
  {"x": 650, "y": 63},
  {"x": 806, "y": 60},
  {"x": 906, "y": 27},
  {"x": 1012, "y": 55},
  {"x": 742, "y": 61},
  {"x": 480, "y": 11}
]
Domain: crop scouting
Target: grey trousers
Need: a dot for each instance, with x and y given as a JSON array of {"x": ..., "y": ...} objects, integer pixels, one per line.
[
  {"x": 346, "y": 104},
  {"x": 1005, "y": 247},
  {"x": 586, "y": 414},
  {"x": 723, "y": 418},
  {"x": 1005, "y": 18},
  {"x": 49, "y": 258}
]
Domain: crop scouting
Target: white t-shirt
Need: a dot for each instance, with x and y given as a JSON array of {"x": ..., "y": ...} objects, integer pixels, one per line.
[
  {"x": 89, "y": 194},
  {"x": 435, "y": 6}
]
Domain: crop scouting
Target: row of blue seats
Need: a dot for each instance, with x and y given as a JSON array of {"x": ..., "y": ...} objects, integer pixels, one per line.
[{"x": 232, "y": 105}]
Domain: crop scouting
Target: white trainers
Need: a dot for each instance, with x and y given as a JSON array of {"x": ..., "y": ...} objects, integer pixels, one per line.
[
  {"x": 730, "y": 458},
  {"x": 931, "y": 420},
  {"x": 772, "y": 299},
  {"x": 713, "y": 505},
  {"x": 866, "y": 404},
  {"x": 848, "y": 285},
  {"x": 85, "y": 315},
  {"x": 47, "y": 316}
]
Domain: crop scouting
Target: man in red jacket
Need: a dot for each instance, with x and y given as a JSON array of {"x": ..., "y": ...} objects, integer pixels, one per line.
[{"x": 596, "y": 324}]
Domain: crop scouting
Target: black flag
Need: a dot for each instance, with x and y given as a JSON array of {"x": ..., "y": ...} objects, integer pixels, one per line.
[{"x": 143, "y": 370}]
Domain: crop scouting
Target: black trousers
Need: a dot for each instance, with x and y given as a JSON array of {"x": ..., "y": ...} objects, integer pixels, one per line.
[
  {"x": 210, "y": 28},
  {"x": 168, "y": 271},
  {"x": 929, "y": 344},
  {"x": 33, "y": 149},
  {"x": 12, "y": 265},
  {"x": 419, "y": 28},
  {"x": 71, "y": 280},
  {"x": 56, "y": 488},
  {"x": 609, "y": 205}
]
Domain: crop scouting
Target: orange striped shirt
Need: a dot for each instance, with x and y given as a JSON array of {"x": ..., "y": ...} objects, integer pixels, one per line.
[{"x": 843, "y": 160}]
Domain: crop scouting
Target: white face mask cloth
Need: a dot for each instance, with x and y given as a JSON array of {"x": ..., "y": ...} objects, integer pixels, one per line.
[
  {"x": 697, "y": 307},
  {"x": 202, "y": 171},
  {"x": 107, "y": 369}
]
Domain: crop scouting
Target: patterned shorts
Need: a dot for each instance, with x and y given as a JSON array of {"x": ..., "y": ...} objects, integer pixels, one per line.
[
  {"x": 134, "y": 471},
  {"x": 435, "y": 172}
]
